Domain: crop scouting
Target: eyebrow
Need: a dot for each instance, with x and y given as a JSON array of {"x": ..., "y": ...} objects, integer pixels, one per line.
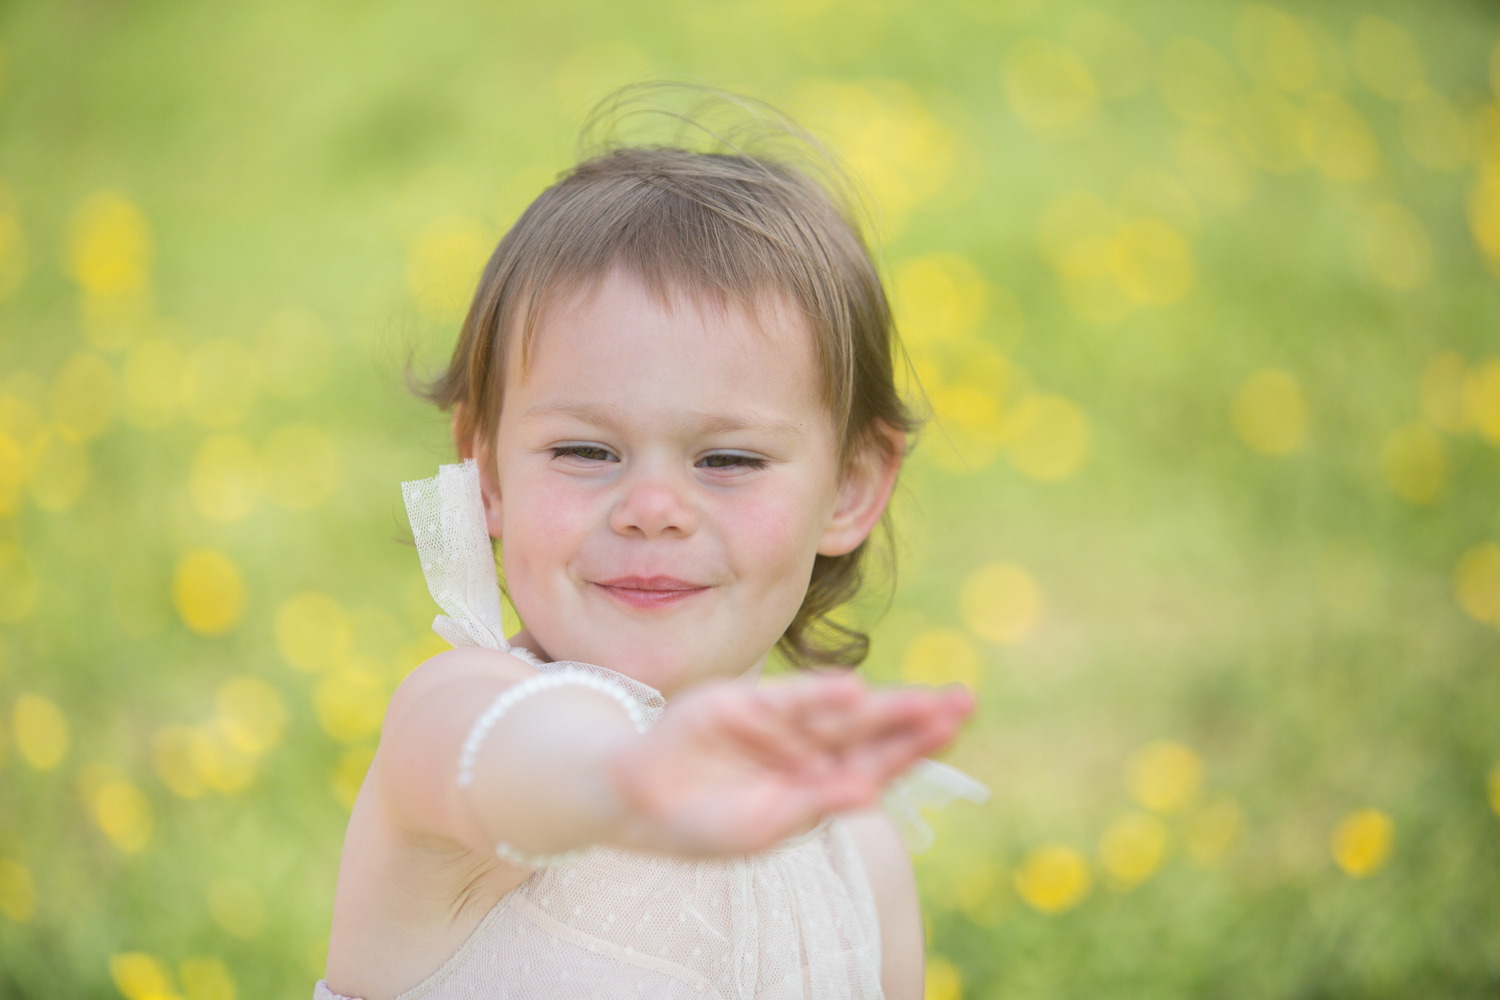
[{"x": 706, "y": 423}]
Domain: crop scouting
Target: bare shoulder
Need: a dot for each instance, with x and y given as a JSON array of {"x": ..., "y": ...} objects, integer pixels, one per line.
[
  {"x": 425, "y": 725},
  {"x": 894, "y": 886},
  {"x": 465, "y": 664}
]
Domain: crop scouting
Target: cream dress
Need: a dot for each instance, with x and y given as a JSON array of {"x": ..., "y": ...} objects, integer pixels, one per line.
[{"x": 795, "y": 922}]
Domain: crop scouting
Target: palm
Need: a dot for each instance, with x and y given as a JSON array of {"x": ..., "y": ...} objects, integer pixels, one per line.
[{"x": 731, "y": 768}]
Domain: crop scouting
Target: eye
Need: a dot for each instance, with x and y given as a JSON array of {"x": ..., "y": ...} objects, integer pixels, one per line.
[
  {"x": 731, "y": 460},
  {"x": 586, "y": 452}
]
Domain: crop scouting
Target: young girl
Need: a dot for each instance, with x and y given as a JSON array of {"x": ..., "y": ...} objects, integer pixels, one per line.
[{"x": 674, "y": 393}]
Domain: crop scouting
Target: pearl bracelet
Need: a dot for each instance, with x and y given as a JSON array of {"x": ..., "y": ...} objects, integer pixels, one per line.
[{"x": 507, "y": 700}]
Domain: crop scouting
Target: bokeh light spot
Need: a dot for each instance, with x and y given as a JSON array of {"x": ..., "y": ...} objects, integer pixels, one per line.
[
  {"x": 1476, "y": 583},
  {"x": 1053, "y": 879},
  {"x": 889, "y": 138},
  {"x": 1051, "y": 437},
  {"x": 219, "y": 383},
  {"x": 443, "y": 265},
  {"x": 1211, "y": 832},
  {"x": 236, "y": 906},
  {"x": 1268, "y": 128},
  {"x": 1151, "y": 262},
  {"x": 1397, "y": 247},
  {"x": 109, "y": 246},
  {"x": 1414, "y": 463},
  {"x": 1484, "y": 215},
  {"x": 1362, "y": 842},
  {"x": 1212, "y": 168},
  {"x": 17, "y": 891},
  {"x": 1132, "y": 848},
  {"x": 1494, "y": 789},
  {"x": 1158, "y": 194},
  {"x": 83, "y": 396},
  {"x": 217, "y": 763},
  {"x": 1196, "y": 82},
  {"x": 225, "y": 481},
  {"x": 938, "y": 298},
  {"x": 1115, "y": 53},
  {"x": 1434, "y": 133},
  {"x": 942, "y": 980},
  {"x": 1164, "y": 776},
  {"x": 294, "y": 351},
  {"x": 20, "y": 586},
  {"x": 349, "y": 774},
  {"x": 41, "y": 731},
  {"x": 1275, "y": 48},
  {"x": 1441, "y": 389},
  {"x": 153, "y": 380},
  {"x": 205, "y": 978},
  {"x": 61, "y": 473},
  {"x": 1386, "y": 59},
  {"x": 302, "y": 466},
  {"x": 1269, "y": 413},
  {"x": 123, "y": 813},
  {"x": 1482, "y": 398},
  {"x": 252, "y": 714},
  {"x": 1337, "y": 139},
  {"x": 312, "y": 631},
  {"x": 942, "y": 656},
  {"x": 208, "y": 592},
  {"x": 1050, "y": 88},
  {"x": 140, "y": 976},
  {"x": 350, "y": 703},
  {"x": 172, "y": 756},
  {"x": 1000, "y": 602}
]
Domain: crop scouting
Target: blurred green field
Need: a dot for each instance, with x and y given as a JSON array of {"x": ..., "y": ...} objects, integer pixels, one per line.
[{"x": 1204, "y": 297}]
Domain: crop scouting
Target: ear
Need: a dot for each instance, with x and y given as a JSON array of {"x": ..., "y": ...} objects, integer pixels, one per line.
[
  {"x": 483, "y": 453},
  {"x": 864, "y": 492}
]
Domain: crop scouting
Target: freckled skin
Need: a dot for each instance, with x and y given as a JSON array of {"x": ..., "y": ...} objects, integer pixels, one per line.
[{"x": 664, "y": 400}]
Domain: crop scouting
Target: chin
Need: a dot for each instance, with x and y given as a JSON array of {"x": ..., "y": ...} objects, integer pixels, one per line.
[{"x": 653, "y": 662}]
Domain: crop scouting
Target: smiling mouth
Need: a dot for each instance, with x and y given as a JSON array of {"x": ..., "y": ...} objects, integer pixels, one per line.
[{"x": 650, "y": 592}]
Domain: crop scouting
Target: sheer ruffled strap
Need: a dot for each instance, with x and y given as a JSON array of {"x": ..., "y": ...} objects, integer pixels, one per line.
[
  {"x": 453, "y": 542},
  {"x": 927, "y": 785}
]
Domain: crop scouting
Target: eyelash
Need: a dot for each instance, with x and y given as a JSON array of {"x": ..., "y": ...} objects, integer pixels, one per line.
[
  {"x": 588, "y": 452},
  {"x": 734, "y": 460},
  {"x": 594, "y": 453}
]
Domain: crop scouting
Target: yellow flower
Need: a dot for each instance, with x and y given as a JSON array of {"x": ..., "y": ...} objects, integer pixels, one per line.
[
  {"x": 1362, "y": 842},
  {"x": 1053, "y": 879}
]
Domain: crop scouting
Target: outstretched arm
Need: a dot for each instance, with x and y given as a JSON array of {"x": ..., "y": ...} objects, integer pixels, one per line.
[{"x": 729, "y": 768}]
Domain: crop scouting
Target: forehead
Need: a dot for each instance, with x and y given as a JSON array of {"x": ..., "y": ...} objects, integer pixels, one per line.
[{"x": 621, "y": 339}]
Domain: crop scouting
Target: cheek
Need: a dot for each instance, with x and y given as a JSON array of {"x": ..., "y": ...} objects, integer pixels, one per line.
[
  {"x": 542, "y": 526},
  {"x": 777, "y": 534}
]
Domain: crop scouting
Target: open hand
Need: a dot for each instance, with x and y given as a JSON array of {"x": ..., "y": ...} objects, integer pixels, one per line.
[{"x": 732, "y": 768}]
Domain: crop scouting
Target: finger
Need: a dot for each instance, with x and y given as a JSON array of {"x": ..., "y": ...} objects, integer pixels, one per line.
[
  {"x": 820, "y": 709},
  {"x": 886, "y": 759},
  {"x": 761, "y": 726}
]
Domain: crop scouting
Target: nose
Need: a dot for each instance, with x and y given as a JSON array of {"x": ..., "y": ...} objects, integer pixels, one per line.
[{"x": 653, "y": 507}]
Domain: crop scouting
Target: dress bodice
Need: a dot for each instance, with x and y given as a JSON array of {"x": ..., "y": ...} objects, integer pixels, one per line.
[{"x": 796, "y": 922}]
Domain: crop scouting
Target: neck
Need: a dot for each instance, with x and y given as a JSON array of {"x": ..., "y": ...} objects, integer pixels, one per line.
[{"x": 526, "y": 640}]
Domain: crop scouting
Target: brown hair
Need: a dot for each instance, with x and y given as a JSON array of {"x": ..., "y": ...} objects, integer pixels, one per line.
[{"x": 726, "y": 226}]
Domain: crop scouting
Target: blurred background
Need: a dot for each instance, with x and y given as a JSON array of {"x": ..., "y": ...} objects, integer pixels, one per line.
[{"x": 1204, "y": 298}]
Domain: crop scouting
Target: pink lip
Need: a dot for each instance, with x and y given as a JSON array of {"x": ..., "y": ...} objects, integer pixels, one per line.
[{"x": 649, "y": 591}]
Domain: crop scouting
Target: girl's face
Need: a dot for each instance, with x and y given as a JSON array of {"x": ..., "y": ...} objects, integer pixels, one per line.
[{"x": 666, "y": 477}]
